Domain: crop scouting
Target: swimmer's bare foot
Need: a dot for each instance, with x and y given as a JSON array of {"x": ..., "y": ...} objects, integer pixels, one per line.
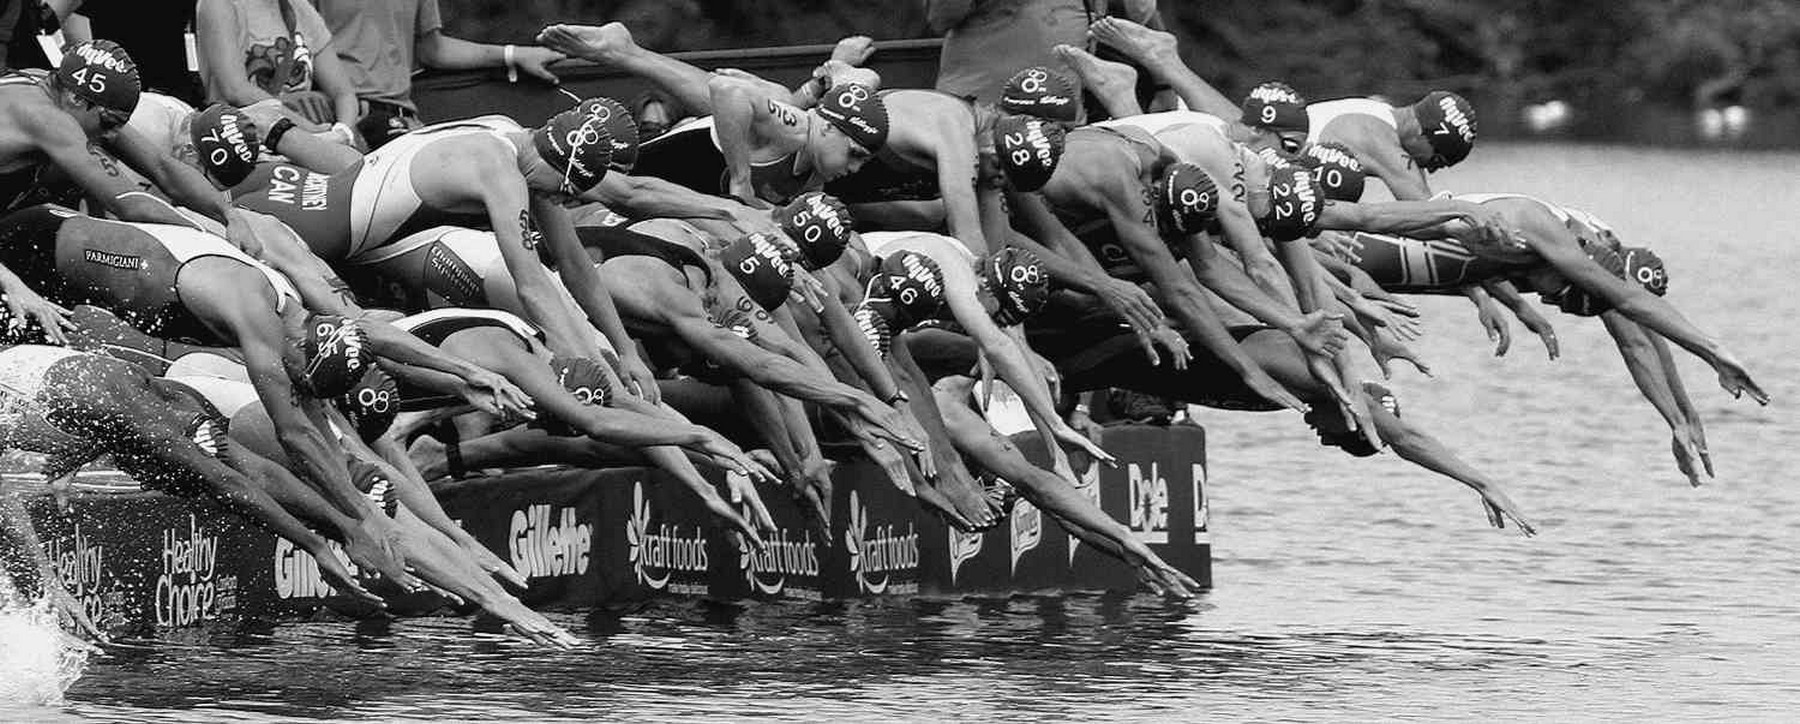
[
  {"x": 853, "y": 50},
  {"x": 601, "y": 44},
  {"x": 839, "y": 73},
  {"x": 1153, "y": 48},
  {"x": 934, "y": 500},
  {"x": 1115, "y": 84},
  {"x": 969, "y": 499}
]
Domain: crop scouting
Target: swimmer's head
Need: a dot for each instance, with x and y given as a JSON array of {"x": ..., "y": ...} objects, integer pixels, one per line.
[
  {"x": 756, "y": 261},
  {"x": 1040, "y": 92},
  {"x": 1446, "y": 130},
  {"x": 1028, "y": 150},
  {"x": 820, "y": 227},
  {"x": 1645, "y": 268},
  {"x": 371, "y": 404},
  {"x": 907, "y": 288},
  {"x": 856, "y": 126},
  {"x": 621, "y": 128},
  {"x": 1186, "y": 198},
  {"x": 226, "y": 144},
  {"x": 874, "y": 328},
  {"x": 585, "y": 380},
  {"x": 1337, "y": 169},
  {"x": 1277, "y": 114},
  {"x": 98, "y": 84},
  {"x": 336, "y": 352},
  {"x": 575, "y": 151},
  {"x": 1295, "y": 199},
  {"x": 1014, "y": 278}
]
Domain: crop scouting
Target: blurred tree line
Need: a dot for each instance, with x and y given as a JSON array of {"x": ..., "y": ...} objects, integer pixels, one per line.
[{"x": 1690, "y": 53}]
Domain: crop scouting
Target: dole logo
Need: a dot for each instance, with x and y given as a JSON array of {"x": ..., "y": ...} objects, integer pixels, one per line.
[
  {"x": 544, "y": 543},
  {"x": 1149, "y": 503}
]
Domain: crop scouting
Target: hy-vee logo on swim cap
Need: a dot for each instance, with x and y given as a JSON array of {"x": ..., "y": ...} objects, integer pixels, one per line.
[
  {"x": 96, "y": 55},
  {"x": 1455, "y": 119}
]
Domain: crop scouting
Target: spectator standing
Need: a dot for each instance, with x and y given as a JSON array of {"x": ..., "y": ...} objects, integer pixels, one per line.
[
  {"x": 381, "y": 43},
  {"x": 154, "y": 32},
  {"x": 20, "y": 23},
  {"x": 275, "y": 52}
]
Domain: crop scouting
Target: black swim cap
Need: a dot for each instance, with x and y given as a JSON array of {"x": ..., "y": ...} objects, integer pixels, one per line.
[
  {"x": 1275, "y": 106},
  {"x": 1294, "y": 202},
  {"x": 908, "y": 288},
  {"x": 1017, "y": 280},
  {"x": 819, "y": 224},
  {"x": 858, "y": 112},
  {"x": 1448, "y": 122},
  {"x": 1029, "y": 150},
  {"x": 1186, "y": 198},
  {"x": 757, "y": 264},
  {"x": 620, "y": 125},
  {"x": 1645, "y": 268},
  {"x": 1040, "y": 92},
  {"x": 576, "y": 144},
  {"x": 1337, "y": 169},
  {"x": 373, "y": 483},
  {"x": 371, "y": 404},
  {"x": 874, "y": 328},
  {"x": 226, "y": 143},
  {"x": 103, "y": 74},
  {"x": 337, "y": 354}
]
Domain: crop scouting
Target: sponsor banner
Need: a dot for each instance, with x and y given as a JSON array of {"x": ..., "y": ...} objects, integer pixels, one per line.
[{"x": 145, "y": 560}]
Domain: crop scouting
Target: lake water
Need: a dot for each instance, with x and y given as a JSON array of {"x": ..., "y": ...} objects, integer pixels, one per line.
[{"x": 1346, "y": 589}]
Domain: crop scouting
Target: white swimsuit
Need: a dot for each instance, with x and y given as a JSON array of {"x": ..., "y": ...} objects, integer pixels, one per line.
[{"x": 1319, "y": 115}]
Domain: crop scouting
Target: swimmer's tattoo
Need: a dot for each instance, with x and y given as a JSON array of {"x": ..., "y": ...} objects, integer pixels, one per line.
[
  {"x": 1237, "y": 181},
  {"x": 527, "y": 235},
  {"x": 1149, "y": 203},
  {"x": 106, "y": 161}
]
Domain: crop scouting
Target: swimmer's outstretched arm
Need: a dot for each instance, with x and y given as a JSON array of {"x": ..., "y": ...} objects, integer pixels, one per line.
[
  {"x": 1647, "y": 372},
  {"x": 576, "y": 269},
  {"x": 1558, "y": 246},
  {"x": 1316, "y": 333},
  {"x": 1508, "y": 295}
]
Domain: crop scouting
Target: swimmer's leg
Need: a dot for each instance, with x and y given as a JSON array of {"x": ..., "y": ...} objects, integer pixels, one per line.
[
  {"x": 1113, "y": 84},
  {"x": 1155, "y": 51}
]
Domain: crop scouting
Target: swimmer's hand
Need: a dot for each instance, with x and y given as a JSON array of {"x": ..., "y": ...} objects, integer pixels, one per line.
[
  {"x": 70, "y": 610},
  {"x": 24, "y": 307},
  {"x": 1171, "y": 341},
  {"x": 376, "y": 544},
  {"x": 743, "y": 514},
  {"x": 1736, "y": 379},
  {"x": 1266, "y": 387},
  {"x": 1386, "y": 348},
  {"x": 495, "y": 395},
  {"x": 637, "y": 375},
  {"x": 1501, "y": 508},
  {"x": 812, "y": 487},
  {"x": 1493, "y": 319},
  {"x": 1320, "y": 333},
  {"x": 1687, "y": 453},
  {"x": 892, "y": 465},
  {"x": 1132, "y": 303},
  {"x": 1074, "y": 440},
  {"x": 887, "y": 423}
]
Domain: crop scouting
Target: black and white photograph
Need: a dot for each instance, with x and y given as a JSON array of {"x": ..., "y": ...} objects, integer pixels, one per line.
[{"x": 922, "y": 360}]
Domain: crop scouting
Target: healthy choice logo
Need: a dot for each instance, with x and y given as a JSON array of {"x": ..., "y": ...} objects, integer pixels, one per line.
[
  {"x": 659, "y": 551},
  {"x": 81, "y": 564},
  {"x": 877, "y": 554},
  {"x": 186, "y": 590}
]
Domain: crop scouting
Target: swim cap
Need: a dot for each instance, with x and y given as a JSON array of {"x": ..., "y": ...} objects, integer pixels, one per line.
[
  {"x": 908, "y": 288},
  {"x": 103, "y": 74},
  {"x": 1186, "y": 198},
  {"x": 1294, "y": 202},
  {"x": 578, "y": 145},
  {"x": 819, "y": 224},
  {"x": 585, "y": 381},
  {"x": 337, "y": 354},
  {"x": 1041, "y": 93},
  {"x": 1645, "y": 268},
  {"x": 1337, "y": 169},
  {"x": 757, "y": 263},
  {"x": 371, "y": 404},
  {"x": 620, "y": 124},
  {"x": 874, "y": 328},
  {"x": 373, "y": 483},
  {"x": 858, "y": 112},
  {"x": 1029, "y": 149},
  {"x": 1275, "y": 106},
  {"x": 1448, "y": 123},
  {"x": 1017, "y": 280},
  {"x": 212, "y": 434},
  {"x": 226, "y": 143}
]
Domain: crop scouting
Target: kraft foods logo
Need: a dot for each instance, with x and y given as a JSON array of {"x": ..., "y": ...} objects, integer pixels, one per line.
[
  {"x": 783, "y": 555},
  {"x": 187, "y": 590},
  {"x": 878, "y": 553},
  {"x": 297, "y": 572},
  {"x": 1149, "y": 503},
  {"x": 545, "y": 541},
  {"x": 657, "y": 552}
]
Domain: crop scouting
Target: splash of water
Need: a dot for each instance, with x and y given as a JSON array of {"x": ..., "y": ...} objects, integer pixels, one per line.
[{"x": 38, "y": 662}]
